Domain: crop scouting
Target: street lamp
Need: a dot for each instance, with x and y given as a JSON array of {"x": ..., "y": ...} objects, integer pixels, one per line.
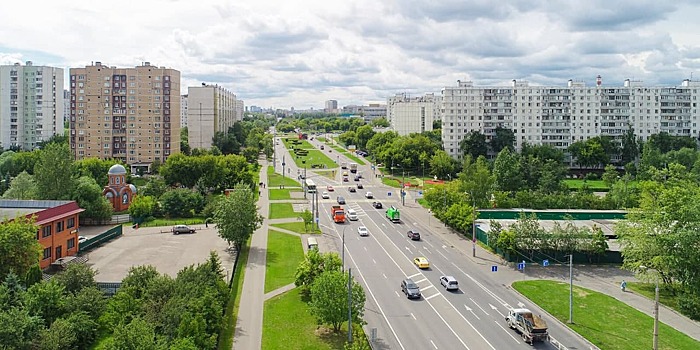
[
  {"x": 655, "y": 345},
  {"x": 343, "y": 255},
  {"x": 473, "y": 224},
  {"x": 571, "y": 288}
]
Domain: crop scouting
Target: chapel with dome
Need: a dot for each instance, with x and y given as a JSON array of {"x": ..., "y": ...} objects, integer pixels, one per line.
[{"x": 118, "y": 192}]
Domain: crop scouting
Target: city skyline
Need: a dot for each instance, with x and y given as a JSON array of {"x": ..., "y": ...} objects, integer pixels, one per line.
[{"x": 300, "y": 54}]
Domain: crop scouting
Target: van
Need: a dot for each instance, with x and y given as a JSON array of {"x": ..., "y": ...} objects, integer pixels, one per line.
[
  {"x": 352, "y": 215},
  {"x": 311, "y": 243}
]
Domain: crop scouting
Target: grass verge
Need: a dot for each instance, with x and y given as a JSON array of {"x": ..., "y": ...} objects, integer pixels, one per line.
[
  {"x": 284, "y": 253},
  {"x": 666, "y": 296},
  {"x": 198, "y": 220},
  {"x": 289, "y": 143},
  {"x": 282, "y": 210},
  {"x": 326, "y": 173},
  {"x": 601, "y": 319},
  {"x": 275, "y": 180},
  {"x": 297, "y": 226},
  {"x": 234, "y": 300},
  {"x": 287, "y": 324},
  {"x": 314, "y": 156},
  {"x": 278, "y": 194}
]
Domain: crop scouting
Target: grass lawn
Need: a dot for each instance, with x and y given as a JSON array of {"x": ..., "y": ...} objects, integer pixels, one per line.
[
  {"x": 284, "y": 253},
  {"x": 297, "y": 226},
  {"x": 601, "y": 319},
  {"x": 314, "y": 157},
  {"x": 666, "y": 296},
  {"x": 287, "y": 324},
  {"x": 321, "y": 139},
  {"x": 326, "y": 173},
  {"x": 304, "y": 143},
  {"x": 277, "y": 194},
  {"x": 198, "y": 220},
  {"x": 282, "y": 210},
  {"x": 234, "y": 300},
  {"x": 275, "y": 180}
]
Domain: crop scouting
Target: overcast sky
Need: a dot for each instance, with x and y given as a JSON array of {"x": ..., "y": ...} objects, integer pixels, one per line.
[{"x": 299, "y": 53}]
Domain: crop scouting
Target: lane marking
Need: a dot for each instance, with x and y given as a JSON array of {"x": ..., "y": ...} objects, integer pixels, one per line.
[
  {"x": 429, "y": 244},
  {"x": 415, "y": 274},
  {"x": 374, "y": 261},
  {"x": 384, "y": 275},
  {"x": 472, "y": 311},
  {"x": 427, "y": 250},
  {"x": 435, "y": 346},
  {"x": 510, "y": 334},
  {"x": 397, "y": 294},
  {"x": 496, "y": 309},
  {"x": 414, "y": 316},
  {"x": 477, "y": 305},
  {"x": 428, "y": 287},
  {"x": 450, "y": 327},
  {"x": 432, "y": 296},
  {"x": 423, "y": 280},
  {"x": 443, "y": 255}
]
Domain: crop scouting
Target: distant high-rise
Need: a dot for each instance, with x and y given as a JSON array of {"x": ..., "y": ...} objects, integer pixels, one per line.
[
  {"x": 211, "y": 109},
  {"x": 240, "y": 108},
  {"x": 372, "y": 111},
  {"x": 408, "y": 115},
  {"x": 130, "y": 114},
  {"x": 331, "y": 106},
  {"x": 183, "y": 111},
  {"x": 31, "y": 104}
]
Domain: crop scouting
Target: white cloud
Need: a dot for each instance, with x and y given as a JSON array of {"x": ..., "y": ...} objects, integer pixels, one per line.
[{"x": 300, "y": 53}]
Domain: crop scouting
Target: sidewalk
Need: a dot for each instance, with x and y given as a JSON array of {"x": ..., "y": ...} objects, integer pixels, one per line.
[{"x": 603, "y": 279}]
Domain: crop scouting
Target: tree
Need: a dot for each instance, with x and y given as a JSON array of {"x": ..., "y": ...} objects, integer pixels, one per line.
[
  {"x": 313, "y": 265},
  {"x": 362, "y": 135},
  {"x": 507, "y": 173},
  {"x": 181, "y": 202},
  {"x": 76, "y": 277},
  {"x": 476, "y": 180},
  {"x": 88, "y": 194},
  {"x": 237, "y": 215},
  {"x": 142, "y": 207},
  {"x": 226, "y": 142},
  {"x": 502, "y": 138},
  {"x": 137, "y": 335},
  {"x": 95, "y": 168},
  {"x": 610, "y": 175},
  {"x": 88, "y": 300},
  {"x": 329, "y": 299},
  {"x": 184, "y": 141},
  {"x": 22, "y": 187},
  {"x": 53, "y": 172},
  {"x": 19, "y": 248},
  {"x": 155, "y": 187},
  {"x": 441, "y": 164},
  {"x": 474, "y": 144},
  {"x": 19, "y": 329},
  {"x": 308, "y": 218},
  {"x": 382, "y": 123},
  {"x": 45, "y": 300},
  {"x": 630, "y": 146}
]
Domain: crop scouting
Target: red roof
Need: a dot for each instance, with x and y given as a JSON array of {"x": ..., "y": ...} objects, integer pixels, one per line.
[{"x": 55, "y": 213}]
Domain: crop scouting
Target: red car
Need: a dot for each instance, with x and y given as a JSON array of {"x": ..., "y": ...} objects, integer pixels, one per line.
[{"x": 330, "y": 188}]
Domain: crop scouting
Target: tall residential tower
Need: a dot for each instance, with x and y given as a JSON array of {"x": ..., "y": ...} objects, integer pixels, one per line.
[{"x": 211, "y": 109}]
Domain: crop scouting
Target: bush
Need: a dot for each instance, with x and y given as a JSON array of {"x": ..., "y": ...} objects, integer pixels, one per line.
[
  {"x": 689, "y": 304},
  {"x": 591, "y": 177}
]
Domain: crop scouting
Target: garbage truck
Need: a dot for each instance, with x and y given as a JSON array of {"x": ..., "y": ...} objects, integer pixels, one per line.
[
  {"x": 338, "y": 214},
  {"x": 393, "y": 214},
  {"x": 531, "y": 327}
]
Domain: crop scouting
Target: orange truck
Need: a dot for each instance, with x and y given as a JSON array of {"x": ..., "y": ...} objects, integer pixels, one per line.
[{"x": 338, "y": 214}]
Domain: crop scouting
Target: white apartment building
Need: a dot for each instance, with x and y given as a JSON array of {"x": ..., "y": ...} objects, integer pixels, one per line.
[
  {"x": 408, "y": 115},
  {"x": 183, "y": 111},
  {"x": 369, "y": 112},
  {"x": 561, "y": 115},
  {"x": 31, "y": 104},
  {"x": 240, "y": 109},
  {"x": 331, "y": 106},
  {"x": 210, "y": 109}
]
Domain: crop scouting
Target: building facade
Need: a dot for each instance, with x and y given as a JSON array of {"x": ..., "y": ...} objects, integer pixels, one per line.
[
  {"x": 561, "y": 115},
  {"x": 129, "y": 114},
  {"x": 211, "y": 108},
  {"x": 408, "y": 115},
  {"x": 183, "y": 111},
  {"x": 31, "y": 105},
  {"x": 118, "y": 192},
  {"x": 331, "y": 106},
  {"x": 369, "y": 112},
  {"x": 58, "y": 223},
  {"x": 240, "y": 110}
]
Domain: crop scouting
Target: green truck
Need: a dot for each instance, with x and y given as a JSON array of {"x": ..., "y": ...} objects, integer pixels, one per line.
[{"x": 393, "y": 214}]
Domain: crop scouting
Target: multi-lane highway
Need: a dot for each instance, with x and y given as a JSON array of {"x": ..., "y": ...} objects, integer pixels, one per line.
[{"x": 470, "y": 318}]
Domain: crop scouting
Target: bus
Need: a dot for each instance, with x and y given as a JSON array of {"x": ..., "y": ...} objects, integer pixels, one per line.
[{"x": 310, "y": 186}]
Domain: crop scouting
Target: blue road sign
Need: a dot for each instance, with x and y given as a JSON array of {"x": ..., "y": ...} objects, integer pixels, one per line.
[
  {"x": 521, "y": 266},
  {"x": 317, "y": 220},
  {"x": 545, "y": 262},
  {"x": 420, "y": 193},
  {"x": 494, "y": 268},
  {"x": 388, "y": 194}
]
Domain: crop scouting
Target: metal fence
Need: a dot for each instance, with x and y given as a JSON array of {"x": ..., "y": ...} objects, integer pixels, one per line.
[{"x": 100, "y": 239}]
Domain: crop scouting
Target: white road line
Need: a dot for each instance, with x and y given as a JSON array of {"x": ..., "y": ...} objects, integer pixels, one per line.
[
  {"x": 489, "y": 292},
  {"x": 426, "y": 249},
  {"x": 509, "y": 333},
  {"x": 437, "y": 268},
  {"x": 496, "y": 309},
  {"x": 374, "y": 261},
  {"x": 365, "y": 249},
  {"x": 384, "y": 275},
  {"x": 397, "y": 294},
  {"x": 433, "y": 296},
  {"x": 443, "y": 255},
  {"x": 429, "y": 244},
  {"x": 414, "y": 316},
  {"x": 430, "y": 286},
  {"x": 415, "y": 274},
  {"x": 477, "y": 305},
  {"x": 448, "y": 325},
  {"x": 423, "y": 280},
  {"x": 409, "y": 250},
  {"x": 472, "y": 311},
  {"x": 435, "y": 346}
]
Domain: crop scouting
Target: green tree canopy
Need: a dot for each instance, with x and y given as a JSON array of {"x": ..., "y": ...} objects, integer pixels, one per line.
[
  {"x": 22, "y": 187},
  {"x": 19, "y": 248},
  {"x": 474, "y": 144},
  {"x": 53, "y": 172},
  {"x": 329, "y": 299},
  {"x": 237, "y": 215}
]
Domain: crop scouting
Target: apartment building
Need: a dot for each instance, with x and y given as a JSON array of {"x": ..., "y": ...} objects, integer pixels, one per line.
[
  {"x": 130, "y": 114},
  {"x": 562, "y": 115},
  {"x": 369, "y": 112},
  {"x": 408, "y": 115},
  {"x": 183, "y": 111},
  {"x": 240, "y": 110},
  {"x": 31, "y": 104},
  {"x": 211, "y": 108},
  {"x": 331, "y": 106}
]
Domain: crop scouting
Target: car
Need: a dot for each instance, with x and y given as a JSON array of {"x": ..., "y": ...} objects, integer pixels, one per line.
[
  {"x": 352, "y": 215},
  {"x": 421, "y": 262},
  {"x": 325, "y": 195},
  {"x": 345, "y": 173},
  {"x": 360, "y": 186},
  {"x": 82, "y": 239},
  {"x": 414, "y": 235},
  {"x": 410, "y": 288},
  {"x": 345, "y": 179},
  {"x": 330, "y": 188},
  {"x": 178, "y": 229},
  {"x": 352, "y": 189},
  {"x": 340, "y": 200},
  {"x": 362, "y": 231},
  {"x": 377, "y": 205},
  {"x": 357, "y": 178},
  {"x": 369, "y": 195},
  {"x": 449, "y": 282}
]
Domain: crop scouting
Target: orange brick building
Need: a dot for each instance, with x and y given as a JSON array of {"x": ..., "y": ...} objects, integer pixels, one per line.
[{"x": 58, "y": 223}]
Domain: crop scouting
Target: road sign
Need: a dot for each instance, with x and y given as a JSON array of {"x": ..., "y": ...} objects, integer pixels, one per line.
[
  {"x": 545, "y": 262},
  {"x": 521, "y": 266},
  {"x": 494, "y": 268},
  {"x": 388, "y": 194},
  {"x": 317, "y": 220},
  {"x": 283, "y": 164},
  {"x": 420, "y": 193}
]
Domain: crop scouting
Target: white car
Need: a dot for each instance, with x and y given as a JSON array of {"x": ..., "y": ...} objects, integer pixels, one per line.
[
  {"x": 352, "y": 215},
  {"x": 82, "y": 239},
  {"x": 363, "y": 231},
  {"x": 325, "y": 195},
  {"x": 369, "y": 195}
]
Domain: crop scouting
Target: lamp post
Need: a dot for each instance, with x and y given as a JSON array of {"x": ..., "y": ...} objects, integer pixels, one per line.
[
  {"x": 655, "y": 341},
  {"x": 343, "y": 255},
  {"x": 473, "y": 224},
  {"x": 571, "y": 288}
]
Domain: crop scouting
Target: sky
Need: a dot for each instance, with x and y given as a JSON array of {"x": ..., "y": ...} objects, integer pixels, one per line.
[{"x": 299, "y": 53}]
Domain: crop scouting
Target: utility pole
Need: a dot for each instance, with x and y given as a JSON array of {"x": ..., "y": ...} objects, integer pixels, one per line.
[
  {"x": 656, "y": 315},
  {"x": 473, "y": 224},
  {"x": 305, "y": 181},
  {"x": 283, "y": 164},
  {"x": 403, "y": 187},
  {"x": 571, "y": 288},
  {"x": 349, "y": 305}
]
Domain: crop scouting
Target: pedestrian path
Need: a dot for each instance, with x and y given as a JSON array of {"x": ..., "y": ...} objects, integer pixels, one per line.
[{"x": 279, "y": 291}]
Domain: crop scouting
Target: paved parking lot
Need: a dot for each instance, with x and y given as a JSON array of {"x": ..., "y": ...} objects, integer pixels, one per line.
[{"x": 149, "y": 246}]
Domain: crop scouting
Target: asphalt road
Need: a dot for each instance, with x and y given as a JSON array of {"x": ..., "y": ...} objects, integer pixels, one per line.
[{"x": 471, "y": 318}]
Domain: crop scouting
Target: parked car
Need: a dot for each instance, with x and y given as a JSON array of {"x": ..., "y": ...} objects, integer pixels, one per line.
[
  {"x": 325, "y": 195},
  {"x": 341, "y": 200},
  {"x": 377, "y": 205},
  {"x": 421, "y": 262},
  {"x": 369, "y": 195},
  {"x": 352, "y": 189},
  {"x": 362, "y": 231},
  {"x": 449, "y": 282},
  {"x": 360, "y": 186},
  {"x": 410, "y": 288},
  {"x": 82, "y": 239},
  {"x": 414, "y": 235},
  {"x": 178, "y": 229}
]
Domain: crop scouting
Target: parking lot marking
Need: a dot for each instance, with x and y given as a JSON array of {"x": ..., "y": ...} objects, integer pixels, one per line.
[{"x": 428, "y": 287}]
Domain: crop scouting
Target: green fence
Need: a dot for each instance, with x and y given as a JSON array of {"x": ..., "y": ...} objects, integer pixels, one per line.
[
  {"x": 100, "y": 239},
  {"x": 514, "y": 214}
]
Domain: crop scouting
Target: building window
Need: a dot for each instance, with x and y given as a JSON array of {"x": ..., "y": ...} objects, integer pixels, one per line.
[
  {"x": 46, "y": 231},
  {"x": 59, "y": 226},
  {"x": 71, "y": 243},
  {"x": 47, "y": 253}
]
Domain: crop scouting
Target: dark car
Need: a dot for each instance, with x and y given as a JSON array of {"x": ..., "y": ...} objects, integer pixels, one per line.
[
  {"x": 414, "y": 235},
  {"x": 341, "y": 200},
  {"x": 377, "y": 205},
  {"x": 352, "y": 189},
  {"x": 357, "y": 178},
  {"x": 360, "y": 186},
  {"x": 345, "y": 179},
  {"x": 410, "y": 288}
]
